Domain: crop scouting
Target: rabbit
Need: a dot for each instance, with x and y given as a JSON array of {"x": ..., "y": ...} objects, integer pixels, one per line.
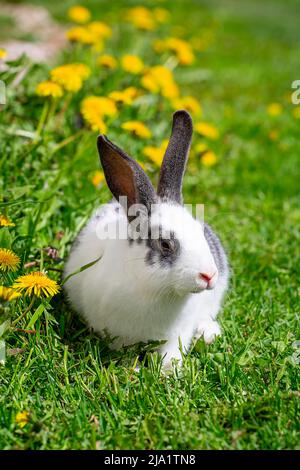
[{"x": 168, "y": 288}]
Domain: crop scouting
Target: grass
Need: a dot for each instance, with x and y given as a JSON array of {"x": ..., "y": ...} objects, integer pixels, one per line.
[{"x": 242, "y": 392}]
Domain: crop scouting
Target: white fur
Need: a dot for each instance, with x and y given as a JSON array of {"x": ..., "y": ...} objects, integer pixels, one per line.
[{"x": 136, "y": 302}]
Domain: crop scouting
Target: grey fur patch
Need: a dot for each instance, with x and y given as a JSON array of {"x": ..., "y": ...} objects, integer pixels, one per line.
[
  {"x": 174, "y": 162},
  {"x": 157, "y": 254},
  {"x": 216, "y": 249}
]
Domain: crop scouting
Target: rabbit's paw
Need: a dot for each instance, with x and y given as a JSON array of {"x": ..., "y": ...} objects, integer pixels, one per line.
[{"x": 209, "y": 329}]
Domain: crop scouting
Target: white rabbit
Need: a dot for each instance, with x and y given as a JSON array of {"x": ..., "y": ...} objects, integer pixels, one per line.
[{"x": 168, "y": 287}]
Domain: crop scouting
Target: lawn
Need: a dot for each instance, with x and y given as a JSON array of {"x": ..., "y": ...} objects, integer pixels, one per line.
[{"x": 60, "y": 386}]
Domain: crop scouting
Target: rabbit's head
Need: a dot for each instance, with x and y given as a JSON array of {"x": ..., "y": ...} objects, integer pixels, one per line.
[{"x": 166, "y": 244}]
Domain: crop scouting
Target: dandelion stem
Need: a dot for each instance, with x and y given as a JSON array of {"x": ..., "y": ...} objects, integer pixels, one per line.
[
  {"x": 23, "y": 314},
  {"x": 67, "y": 141},
  {"x": 42, "y": 120}
]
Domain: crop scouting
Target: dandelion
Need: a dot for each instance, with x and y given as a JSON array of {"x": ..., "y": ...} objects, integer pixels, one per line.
[
  {"x": 95, "y": 108},
  {"x": 99, "y": 30},
  {"x": 274, "y": 109},
  {"x": 98, "y": 178},
  {"x": 36, "y": 283},
  {"x": 80, "y": 34},
  {"x": 156, "y": 154},
  {"x": 150, "y": 83},
  {"x": 137, "y": 128},
  {"x": 120, "y": 97},
  {"x": 141, "y": 18},
  {"x": 103, "y": 105},
  {"x": 107, "y": 61},
  {"x": 81, "y": 69},
  {"x": 9, "y": 261},
  {"x": 48, "y": 88},
  {"x": 132, "y": 92},
  {"x": 79, "y": 14},
  {"x": 209, "y": 158},
  {"x": 3, "y": 53},
  {"x": 22, "y": 418},
  {"x": 207, "y": 130},
  {"x": 296, "y": 112},
  {"x": 70, "y": 76},
  {"x": 8, "y": 294},
  {"x": 5, "y": 221},
  {"x": 126, "y": 96},
  {"x": 189, "y": 103},
  {"x": 182, "y": 49},
  {"x": 66, "y": 77},
  {"x": 132, "y": 64},
  {"x": 159, "y": 79}
]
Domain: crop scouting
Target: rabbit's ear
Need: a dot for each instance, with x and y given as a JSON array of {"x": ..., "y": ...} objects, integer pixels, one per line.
[
  {"x": 174, "y": 162},
  {"x": 124, "y": 176}
]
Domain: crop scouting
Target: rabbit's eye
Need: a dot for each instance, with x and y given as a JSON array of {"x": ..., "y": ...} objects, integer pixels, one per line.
[{"x": 166, "y": 246}]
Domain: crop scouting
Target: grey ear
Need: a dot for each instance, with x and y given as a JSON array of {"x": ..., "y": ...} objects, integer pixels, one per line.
[
  {"x": 124, "y": 176},
  {"x": 174, "y": 162}
]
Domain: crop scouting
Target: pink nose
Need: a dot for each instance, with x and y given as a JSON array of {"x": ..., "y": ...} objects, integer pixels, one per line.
[{"x": 206, "y": 277}]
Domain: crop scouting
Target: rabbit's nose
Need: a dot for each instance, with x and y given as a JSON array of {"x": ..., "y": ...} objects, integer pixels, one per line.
[{"x": 207, "y": 276}]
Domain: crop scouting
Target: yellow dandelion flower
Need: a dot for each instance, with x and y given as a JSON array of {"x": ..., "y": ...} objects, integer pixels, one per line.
[
  {"x": 70, "y": 76},
  {"x": 132, "y": 92},
  {"x": 22, "y": 418},
  {"x": 94, "y": 108},
  {"x": 103, "y": 105},
  {"x": 209, "y": 158},
  {"x": 8, "y": 294},
  {"x": 3, "y": 53},
  {"x": 170, "y": 91},
  {"x": 80, "y": 34},
  {"x": 9, "y": 261},
  {"x": 95, "y": 122},
  {"x": 5, "y": 221},
  {"x": 98, "y": 178},
  {"x": 36, "y": 283},
  {"x": 120, "y": 97},
  {"x": 126, "y": 96},
  {"x": 48, "y": 88},
  {"x": 161, "y": 15},
  {"x": 132, "y": 64},
  {"x": 107, "y": 61},
  {"x": 137, "y": 128},
  {"x": 141, "y": 18},
  {"x": 207, "y": 130},
  {"x": 189, "y": 103},
  {"x": 155, "y": 154},
  {"x": 82, "y": 70},
  {"x": 79, "y": 14},
  {"x": 182, "y": 49},
  {"x": 296, "y": 112},
  {"x": 66, "y": 77},
  {"x": 274, "y": 109},
  {"x": 159, "y": 79},
  {"x": 99, "y": 30},
  {"x": 149, "y": 82}
]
